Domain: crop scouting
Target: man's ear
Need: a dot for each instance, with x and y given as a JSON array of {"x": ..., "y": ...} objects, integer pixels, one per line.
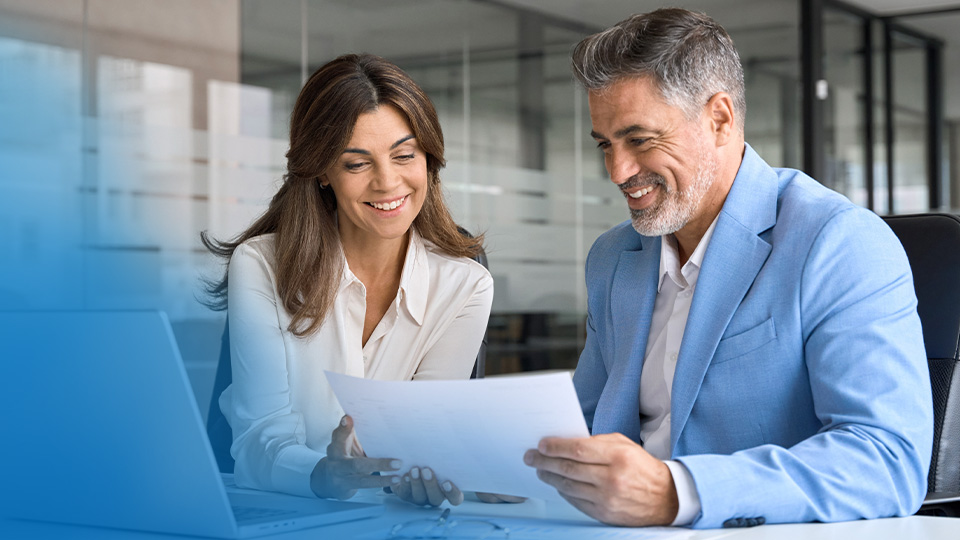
[{"x": 722, "y": 117}]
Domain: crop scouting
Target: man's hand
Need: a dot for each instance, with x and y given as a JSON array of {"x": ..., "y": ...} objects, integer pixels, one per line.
[{"x": 608, "y": 477}]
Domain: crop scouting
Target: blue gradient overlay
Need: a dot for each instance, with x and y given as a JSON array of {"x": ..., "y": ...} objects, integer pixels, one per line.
[{"x": 86, "y": 413}]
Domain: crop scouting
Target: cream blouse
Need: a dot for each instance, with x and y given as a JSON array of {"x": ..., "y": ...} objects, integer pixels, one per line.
[{"x": 280, "y": 406}]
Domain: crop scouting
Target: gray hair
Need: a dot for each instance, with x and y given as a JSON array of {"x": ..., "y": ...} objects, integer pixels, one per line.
[{"x": 688, "y": 55}]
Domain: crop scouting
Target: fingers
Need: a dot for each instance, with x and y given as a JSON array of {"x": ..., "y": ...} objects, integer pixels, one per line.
[
  {"x": 421, "y": 486},
  {"x": 417, "y": 492},
  {"x": 496, "y": 498},
  {"x": 355, "y": 448},
  {"x": 342, "y": 439},
  {"x": 489, "y": 498},
  {"x": 567, "y": 487},
  {"x": 332, "y": 478},
  {"x": 402, "y": 489},
  {"x": 340, "y": 477},
  {"x": 584, "y": 450},
  {"x": 574, "y": 470},
  {"x": 374, "y": 481},
  {"x": 452, "y": 492},
  {"x": 431, "y": 486},
  {"x": 366, "y": 466}
]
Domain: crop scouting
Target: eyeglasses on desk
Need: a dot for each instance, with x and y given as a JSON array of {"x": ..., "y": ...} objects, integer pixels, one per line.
[{"x": 442, "y": 527}]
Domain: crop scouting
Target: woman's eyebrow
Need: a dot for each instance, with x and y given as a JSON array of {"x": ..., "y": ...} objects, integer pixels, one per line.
[
  {"x": 401, "y": 141},
  {"x": 367, "y": 152}
]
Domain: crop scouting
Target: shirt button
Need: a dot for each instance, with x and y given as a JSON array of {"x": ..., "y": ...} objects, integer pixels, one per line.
[{"x": 673, "y": 357}]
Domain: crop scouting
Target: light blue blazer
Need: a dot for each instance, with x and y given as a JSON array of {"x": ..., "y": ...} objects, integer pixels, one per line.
[{"x": 801, "y": 390}]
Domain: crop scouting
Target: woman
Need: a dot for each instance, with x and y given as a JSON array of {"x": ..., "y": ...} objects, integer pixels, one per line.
[{"x": 355, "y": 267}]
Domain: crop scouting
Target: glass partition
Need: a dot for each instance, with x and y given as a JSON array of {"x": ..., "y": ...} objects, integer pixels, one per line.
[
  {"x": 844, "y": 118},
  {"x": 910, "y": 124},
  {"x": 174, "y": 120}
]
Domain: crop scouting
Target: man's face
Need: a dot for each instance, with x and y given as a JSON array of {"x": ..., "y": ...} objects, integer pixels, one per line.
[{"x": 663, "y": 163}]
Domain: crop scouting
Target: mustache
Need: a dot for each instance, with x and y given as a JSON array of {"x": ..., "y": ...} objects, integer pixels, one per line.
[{"x": 639, "y": 181}]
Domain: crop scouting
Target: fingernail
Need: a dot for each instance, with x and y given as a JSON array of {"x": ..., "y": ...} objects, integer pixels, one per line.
[
  {"x": 447, "y": 486},
  {"x": 395, "y": 464},
  {"x": 343, "y": 421},
  {"x": 395, "y": 480},
  {"x": 415, "y": 473},
  {"x": 427, "y": 474},
  {"x": 406, "y": 478},
  {"x": 528, "y": 457}
]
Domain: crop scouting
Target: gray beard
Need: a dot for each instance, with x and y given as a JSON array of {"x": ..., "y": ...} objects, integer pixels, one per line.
[{"x": 676, "y": 208}]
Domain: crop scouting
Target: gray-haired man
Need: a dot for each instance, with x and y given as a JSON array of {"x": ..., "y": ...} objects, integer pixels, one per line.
[{"x": 754, "y": 331}]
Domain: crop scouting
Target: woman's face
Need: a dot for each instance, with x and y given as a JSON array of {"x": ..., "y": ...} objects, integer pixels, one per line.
[{"x": 380, "y": 180}]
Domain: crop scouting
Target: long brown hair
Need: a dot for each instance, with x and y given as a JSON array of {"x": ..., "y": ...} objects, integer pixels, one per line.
[{"x": 302, "y": 216}]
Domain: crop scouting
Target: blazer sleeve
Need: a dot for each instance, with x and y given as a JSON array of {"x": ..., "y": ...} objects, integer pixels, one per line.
[
  {"x": 590, "y": 376},
  {"x": 863, "y": 350},
  {"x": 269, "y": 438}
]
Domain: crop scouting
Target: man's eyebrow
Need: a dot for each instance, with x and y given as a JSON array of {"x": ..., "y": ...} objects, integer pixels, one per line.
[
  {"x": 367, "y": 152},
  {"x": 629, "y": 130},
  {"x": 620, "y": 133}
]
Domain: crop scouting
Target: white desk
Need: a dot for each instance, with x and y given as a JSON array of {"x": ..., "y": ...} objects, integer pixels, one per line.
[{"x": 562, "y": 522}]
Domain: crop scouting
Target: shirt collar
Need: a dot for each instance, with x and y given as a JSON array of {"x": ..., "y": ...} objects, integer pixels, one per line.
[
  {"x": 414, "y": 280},
  {"x": 670, "y": 257}
]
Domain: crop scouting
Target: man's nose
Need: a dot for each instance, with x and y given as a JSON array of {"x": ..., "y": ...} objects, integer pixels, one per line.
[{"x": 622, "y": 167}]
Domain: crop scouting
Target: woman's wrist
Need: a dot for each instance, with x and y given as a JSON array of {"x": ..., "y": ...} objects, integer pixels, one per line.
[{"x": 318, "y": 480}]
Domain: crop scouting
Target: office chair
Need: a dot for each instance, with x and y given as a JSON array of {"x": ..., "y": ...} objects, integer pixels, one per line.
[
  {"x": 218, "y": 429},
  {"x": 932, "y": 243}
]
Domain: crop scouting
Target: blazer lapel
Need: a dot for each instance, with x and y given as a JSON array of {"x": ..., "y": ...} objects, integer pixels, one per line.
[
  {"x": 733, "y": 259},
  {"x": 633, "y": 295}
]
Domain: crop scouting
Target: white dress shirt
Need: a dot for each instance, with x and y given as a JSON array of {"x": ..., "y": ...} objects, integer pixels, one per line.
[
  {"x": 674, "y": 296},
  {"x": 280, "y": 406}
]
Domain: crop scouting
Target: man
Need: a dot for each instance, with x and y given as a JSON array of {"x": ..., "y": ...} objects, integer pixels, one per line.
[{"x": 760, "y": 332}]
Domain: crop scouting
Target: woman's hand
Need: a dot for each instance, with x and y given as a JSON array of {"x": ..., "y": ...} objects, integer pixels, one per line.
[
  {"x": 494, "y": 498},
  {"x": 421, "y": 486},
  {"x": 347, "y": 469}
]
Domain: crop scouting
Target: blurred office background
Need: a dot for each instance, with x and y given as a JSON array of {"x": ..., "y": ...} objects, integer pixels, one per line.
[{"x": 128, "y": 126}]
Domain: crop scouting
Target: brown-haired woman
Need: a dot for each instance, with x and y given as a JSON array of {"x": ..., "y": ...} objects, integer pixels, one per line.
[{"x": 356, "y": 267}]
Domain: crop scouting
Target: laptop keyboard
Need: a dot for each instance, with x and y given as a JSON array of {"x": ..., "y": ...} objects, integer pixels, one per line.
[{"x": 250, "y": 513}]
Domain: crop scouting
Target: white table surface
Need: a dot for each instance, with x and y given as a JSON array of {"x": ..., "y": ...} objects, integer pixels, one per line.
[{"x": 531, "y": 519}]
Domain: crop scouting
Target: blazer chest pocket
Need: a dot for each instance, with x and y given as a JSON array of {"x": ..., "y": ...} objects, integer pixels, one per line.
[{"x": 733, "y": 347}]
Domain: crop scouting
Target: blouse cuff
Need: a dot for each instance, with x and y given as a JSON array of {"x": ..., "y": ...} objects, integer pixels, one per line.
[{"x": 291, "y": 471}]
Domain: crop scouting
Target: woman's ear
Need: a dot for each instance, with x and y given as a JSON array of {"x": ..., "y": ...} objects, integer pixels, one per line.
[{"x": 322, "y": 180}]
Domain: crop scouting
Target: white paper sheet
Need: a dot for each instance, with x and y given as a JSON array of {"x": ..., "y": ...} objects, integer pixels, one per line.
[{"x": 473, "y": 433}]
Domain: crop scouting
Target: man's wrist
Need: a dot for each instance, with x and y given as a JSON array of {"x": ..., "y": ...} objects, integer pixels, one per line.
[{"x": 670, "y": 504}]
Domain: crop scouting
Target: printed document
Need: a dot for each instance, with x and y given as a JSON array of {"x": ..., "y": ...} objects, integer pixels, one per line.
[{"x": 473, "y": 433}]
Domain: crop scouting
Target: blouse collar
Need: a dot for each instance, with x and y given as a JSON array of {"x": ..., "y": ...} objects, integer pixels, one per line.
[{"x": 414, "y": 279}]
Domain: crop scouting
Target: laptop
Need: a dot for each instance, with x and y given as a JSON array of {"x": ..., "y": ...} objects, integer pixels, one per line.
[{"x": 102, "y": 429}]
